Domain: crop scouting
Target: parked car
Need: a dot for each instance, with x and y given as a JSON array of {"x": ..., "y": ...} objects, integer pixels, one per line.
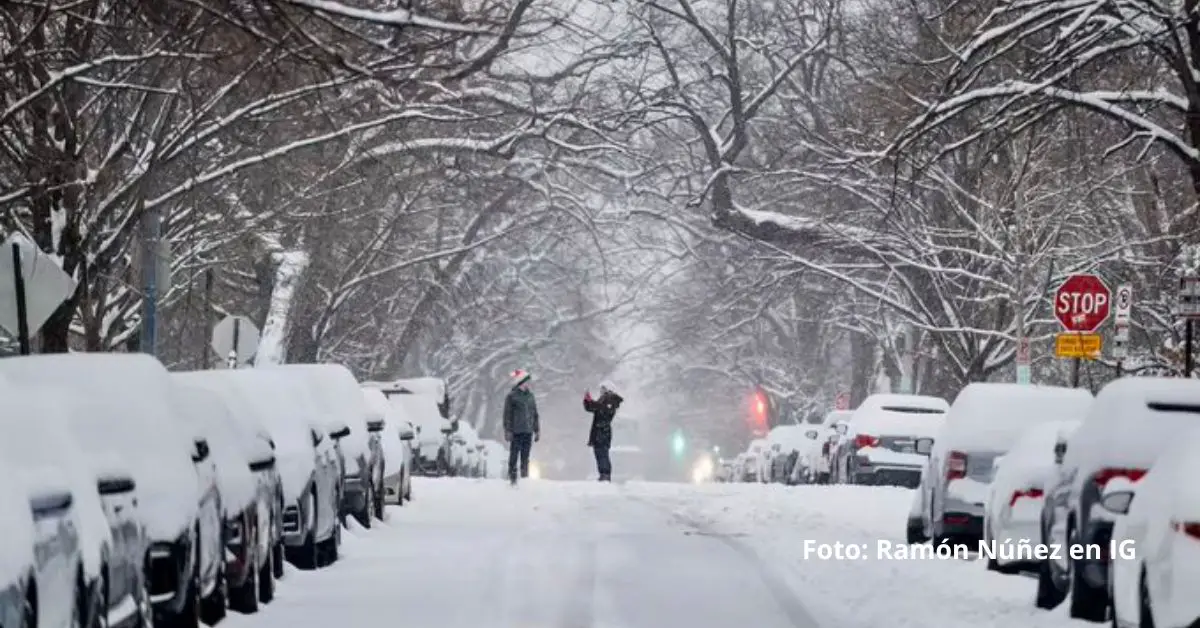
[
  {"x": 18, "y": 566},
  {"x": 245, "y": 419},
  {"x": 70, "y": 534},
  {"x": 338, "y": 399},
  {"x": 431, "y": 445},
  {"x": 309, "y": 469},
  {"x": 1154, "y": 583},
  {"x": 464, "y": 451},
  {"x": 877, "y": 445},
  {"x": 136, "y": 417},
  {"x": 1013, "y": 508},
  {"x": 395, "y": 437},
  {"x": 756, "y": 469},
  {"x": 828, "y": 437},
  {"x": 238, "y": 453},
  {"x": 1132, "y": 421},
  {"x": 984, "y": 421}
]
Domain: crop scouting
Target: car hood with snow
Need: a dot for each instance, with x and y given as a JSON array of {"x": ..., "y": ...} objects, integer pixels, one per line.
[{"x": 128, "y": 409}]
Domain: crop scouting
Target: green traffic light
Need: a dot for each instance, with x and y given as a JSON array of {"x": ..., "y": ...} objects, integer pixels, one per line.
[{"x": 678, "y": 444}]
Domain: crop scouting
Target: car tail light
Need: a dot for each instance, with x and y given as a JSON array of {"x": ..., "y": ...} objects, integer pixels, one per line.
[
  {"x": 1191, "y": 529},
  {"x": 1104, "y": 475},
  {"x": 866, "y": 440},
  {"x": 1031, "y": 493},
  {"x": 956, "y": 465}
]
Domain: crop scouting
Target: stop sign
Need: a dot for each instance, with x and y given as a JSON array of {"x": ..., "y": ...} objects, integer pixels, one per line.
[{"x": 1082, "y": 303}]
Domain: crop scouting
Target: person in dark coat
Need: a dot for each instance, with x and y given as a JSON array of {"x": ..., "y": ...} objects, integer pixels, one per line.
[
  {"x": 600, "y": 437},
  {"x": 521, "y": 424}
]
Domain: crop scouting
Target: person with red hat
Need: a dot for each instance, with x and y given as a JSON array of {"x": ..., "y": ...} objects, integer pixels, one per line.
[{"x": 521, "y": 424}]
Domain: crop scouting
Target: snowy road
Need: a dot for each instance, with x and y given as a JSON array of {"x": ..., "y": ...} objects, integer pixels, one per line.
[{"x": 477, "y": 553}]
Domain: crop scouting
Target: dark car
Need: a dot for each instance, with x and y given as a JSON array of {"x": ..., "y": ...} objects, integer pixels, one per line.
[{"x": 140, "y": 425}]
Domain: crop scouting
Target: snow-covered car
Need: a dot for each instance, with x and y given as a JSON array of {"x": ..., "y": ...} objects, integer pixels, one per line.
[
  {"x": 496, "y": 459},
  {"x": 790, "y": 444},
  {"x": 1131, "y": 422},
  {"x": 244, "y": 462},
  {"x": 755, "y": 464},
  {"x": 878, "y": 443},
  {"x": 464, "y": 450},
  {"x": 132, "y": 413},
  {"x": 827, "y": 437},
  {"x": 18, "y": 567},
  {"x": 1013, "y": 509},
  {"x": 1154, "y": 582},
  {"x": 338, "y": 398},
  {"x": 984, "y": 421},
  {"x": 308, "y": 465},
  {"x": 431, "y": 446},
  {"x": 395, "y": 437},
  {"x": 72, "y": 538}
]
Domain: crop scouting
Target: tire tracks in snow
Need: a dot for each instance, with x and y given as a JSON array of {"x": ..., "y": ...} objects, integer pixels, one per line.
[{"x": 783, "y": 595}]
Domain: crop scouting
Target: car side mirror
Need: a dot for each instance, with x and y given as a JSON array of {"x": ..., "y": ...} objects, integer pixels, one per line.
[
  {"x": 1060, "y": 452},
  {"x": 115, "y": 484},
  {"x": 266, "y": 464},
  {"x": 340, "y": 434},
  {"x": 924, "y": 446},
  {"x": 271, "y": 442},
  {"x": 316, "y": 438},
  {"x": 375, "y": 426},
  {"x": 811, "y": 434},
  {"x": 447, "y": 429},
  {"x": 406, "y": 433},
  {"x": 200, "y": 453},
  {"x": 1118, "y": 496},
  {"x": 841, "y": 428}
]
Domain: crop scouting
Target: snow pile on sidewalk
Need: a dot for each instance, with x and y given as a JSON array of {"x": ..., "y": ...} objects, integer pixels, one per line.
[{"x": 776, "y": 522}]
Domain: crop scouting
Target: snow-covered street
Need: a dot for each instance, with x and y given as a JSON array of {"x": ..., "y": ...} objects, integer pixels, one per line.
[{"x": 472, "y": 553}]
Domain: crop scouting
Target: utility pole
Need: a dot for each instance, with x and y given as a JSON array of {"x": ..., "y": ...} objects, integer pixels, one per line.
[{"x": 151, "y": 234}]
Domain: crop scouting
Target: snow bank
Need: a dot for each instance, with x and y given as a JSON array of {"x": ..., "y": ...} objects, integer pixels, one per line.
[
  {"x": 992, "y": 416},
  {"x": 282, "y": 412},
  {"x": 338, "y": 398},
  {"x": 127, "y": 409},
  {"x": 884, "y": 422},
  {"x": 776, "y": 523},
  {"x": 16, "y": 528},
  {"x": 394, "y": 449},
  {"x": 208, "y": 412},
  {"x": 37, "y": 438}
]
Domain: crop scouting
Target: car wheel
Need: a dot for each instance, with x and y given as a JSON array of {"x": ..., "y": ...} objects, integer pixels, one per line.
[
  {"x": 915, "y": 532},
  {"x": 80, "y": 614},
  {"x": 1146, "y": 608},
  {"x": 1049, "y": 596},
  {"x": 29, "y": 607},
  {"x": 213, "y": 607},
  {"x": 277, "y": 560},
  {"x": 244, "y": 599},
  {"x": 364, "y": 515},
  {"x": 266, "y": 582},
  {"x": 1087, "y": 602}
]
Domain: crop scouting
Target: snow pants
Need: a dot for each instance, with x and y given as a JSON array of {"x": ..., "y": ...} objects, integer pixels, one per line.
[
  {"x": 603, "y": 462},
  {"x": 519, "y": 449}
]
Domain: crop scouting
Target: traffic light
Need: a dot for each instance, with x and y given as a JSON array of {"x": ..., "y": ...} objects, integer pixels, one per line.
[
  {"x": 678, "y": 444},
  {"x": 759, "y": 412}
]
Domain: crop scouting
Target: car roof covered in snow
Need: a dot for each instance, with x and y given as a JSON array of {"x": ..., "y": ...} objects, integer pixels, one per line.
[
  {"x": 285, "y": 415},
  {"x": 906, "y": 404},
  {"x": 837, "y": 415},
  {"x": 1133, "y": 420},
  {"x": 228, "y": 445},
  {"x": 131, "y": 410},
  {"x": 340, "y": 401},
  {"x": 45, "y": 453},
  {"x": 987, "y": 416}
]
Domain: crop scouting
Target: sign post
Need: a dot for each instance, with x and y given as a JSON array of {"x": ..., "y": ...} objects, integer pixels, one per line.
[
  {"x": 1188, "y": 308},
  {"x": 1024, "y": 361},
  {"x": 1081, "y": 304},
  {"x": 235, "y": 339},
  {"x": 1122, "y": 318},
  {"x": 32, "y": 287}
]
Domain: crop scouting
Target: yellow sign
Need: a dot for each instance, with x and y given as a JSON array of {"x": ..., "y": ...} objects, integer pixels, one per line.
[{"x": 1086, "y": 346}]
